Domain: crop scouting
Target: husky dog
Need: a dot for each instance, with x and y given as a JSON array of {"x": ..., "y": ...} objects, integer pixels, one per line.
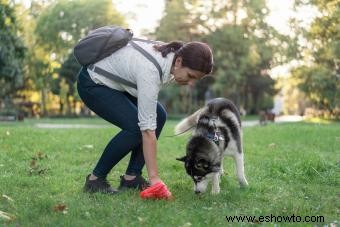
[{"x": 217, "y": 133}]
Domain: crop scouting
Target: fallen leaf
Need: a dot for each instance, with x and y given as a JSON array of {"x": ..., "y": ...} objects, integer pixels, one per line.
[
  {"x": 7, "y": 197},
  {"x": 60, "y": 208},
  {"x": 41, "y": 155},
  {"x": 8, "y": 133},
  {"x": 7, "y": 216},
  {"x": 33, "y": 164},
  {"x": 42, "y": 171}
]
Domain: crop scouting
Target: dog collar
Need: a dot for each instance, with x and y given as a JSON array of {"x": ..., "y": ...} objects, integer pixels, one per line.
[{"x": 216, "y": 136}]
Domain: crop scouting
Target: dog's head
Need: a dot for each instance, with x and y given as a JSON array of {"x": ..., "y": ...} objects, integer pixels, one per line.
[{"x": 201, "y": 161}]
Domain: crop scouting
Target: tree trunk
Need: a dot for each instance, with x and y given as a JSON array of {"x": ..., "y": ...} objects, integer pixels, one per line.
[
  {"x": 43, "y": 102},
  {"x": 68, "y": 105}
]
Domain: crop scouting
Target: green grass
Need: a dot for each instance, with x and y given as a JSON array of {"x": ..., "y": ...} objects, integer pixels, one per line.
[{"x": 291, "y": 169}]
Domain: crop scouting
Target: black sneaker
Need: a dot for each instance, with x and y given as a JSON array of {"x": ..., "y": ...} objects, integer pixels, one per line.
[
  {"x": 138, "y": 183},
  {"x": 99, "y": 185}
]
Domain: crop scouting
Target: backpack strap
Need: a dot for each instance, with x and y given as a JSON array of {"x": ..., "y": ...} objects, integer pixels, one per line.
[
  {"x": 147, "y": 55},
  {"x": 111, "y": 76},
  {"x": 120, "y": 80}
]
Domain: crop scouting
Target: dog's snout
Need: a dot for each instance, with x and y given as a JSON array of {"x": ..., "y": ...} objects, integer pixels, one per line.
[{"x": 197, "y": 192}]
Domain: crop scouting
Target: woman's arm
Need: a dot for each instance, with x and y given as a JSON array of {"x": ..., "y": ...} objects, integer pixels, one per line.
[{"x": 150, "y": 155}]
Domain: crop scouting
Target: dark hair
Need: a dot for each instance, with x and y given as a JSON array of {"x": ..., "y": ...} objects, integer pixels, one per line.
[{"x": 195, "y": 55}]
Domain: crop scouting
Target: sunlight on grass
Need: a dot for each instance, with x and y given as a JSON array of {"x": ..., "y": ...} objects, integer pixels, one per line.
[{"x": 318, "y": 120}]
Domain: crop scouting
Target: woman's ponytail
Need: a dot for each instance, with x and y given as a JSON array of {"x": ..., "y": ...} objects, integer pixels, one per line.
[{"x": 169, "y": 47}]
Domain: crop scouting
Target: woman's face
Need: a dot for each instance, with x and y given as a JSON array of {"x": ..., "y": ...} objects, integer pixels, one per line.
[{"x": 185, "y": 75}]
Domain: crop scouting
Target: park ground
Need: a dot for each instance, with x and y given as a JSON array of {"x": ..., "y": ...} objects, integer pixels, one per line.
[{"x": 292, "y": 169}]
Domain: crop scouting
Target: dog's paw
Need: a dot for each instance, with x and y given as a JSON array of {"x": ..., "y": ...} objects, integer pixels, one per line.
[
  {"x": 244, "y": 183},
  {"x": 215, "y": 192}
]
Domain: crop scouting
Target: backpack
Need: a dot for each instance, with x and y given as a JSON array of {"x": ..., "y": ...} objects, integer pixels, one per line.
[{"x": 104, "y": 41}]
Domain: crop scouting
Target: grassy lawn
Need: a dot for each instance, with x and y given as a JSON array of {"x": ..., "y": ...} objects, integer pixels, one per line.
[{"x": 291, "y": 169}]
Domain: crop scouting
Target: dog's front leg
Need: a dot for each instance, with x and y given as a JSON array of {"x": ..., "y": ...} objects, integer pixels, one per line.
[
  {"x": 221, "y": 169},
  {"x": 240, "y": 169},
  {"x": 215, "y": 189}
]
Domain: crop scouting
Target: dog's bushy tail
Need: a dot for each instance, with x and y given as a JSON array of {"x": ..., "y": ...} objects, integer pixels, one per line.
[{"x": 187, "y": 122}]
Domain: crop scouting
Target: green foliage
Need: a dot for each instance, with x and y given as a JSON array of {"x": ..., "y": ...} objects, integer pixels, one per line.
[
  {"x": 12, "y": 51},
  {"x": 291, "y": 169},
  {"x": 245, "y": 47},
  {"x": 66, "y": 82},
  {"x": 52, "y": 31},
  {"x": 62, "y": 24},
  {"x": 321, "y": 86},
  {"x": 244, "y": 52},
  {"x": 69, "y": 70},
  {"x": 174, "y": 24},
  {"x": 320, "y": 79}
]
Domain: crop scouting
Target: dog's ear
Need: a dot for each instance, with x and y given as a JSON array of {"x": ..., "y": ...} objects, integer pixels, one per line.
[{"x": 183, "y": 159}]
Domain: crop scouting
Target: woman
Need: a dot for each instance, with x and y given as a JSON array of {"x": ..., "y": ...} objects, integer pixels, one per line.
[{"x": 135, "y": 110}]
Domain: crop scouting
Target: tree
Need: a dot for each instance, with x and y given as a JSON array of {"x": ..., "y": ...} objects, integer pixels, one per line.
[
  {"x": 245, "y": 47},
  {"x": 58, "y": 36},
  {"x": 68, "y": 72},
  {"x": 173, "y": 25},
  {"x": 320, "y": 75},
  {"x": 65, "y": 22},
  {"x": 39, "y": 62},
  {"x": 180, "y": 22},
  {"x": 12, "y": 52}
]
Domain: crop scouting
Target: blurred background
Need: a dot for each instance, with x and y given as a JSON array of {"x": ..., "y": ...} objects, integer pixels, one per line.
[{"x": 271, "y": 56}]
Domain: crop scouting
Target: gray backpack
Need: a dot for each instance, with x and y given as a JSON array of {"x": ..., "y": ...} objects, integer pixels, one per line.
[{"x": 102, "y": 42}]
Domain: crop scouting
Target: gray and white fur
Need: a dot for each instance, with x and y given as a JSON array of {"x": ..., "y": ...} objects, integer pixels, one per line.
[{"x": 217, "y": 132}]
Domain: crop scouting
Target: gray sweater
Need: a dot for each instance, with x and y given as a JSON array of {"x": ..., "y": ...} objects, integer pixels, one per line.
[{"x": 131, "y": 65}]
